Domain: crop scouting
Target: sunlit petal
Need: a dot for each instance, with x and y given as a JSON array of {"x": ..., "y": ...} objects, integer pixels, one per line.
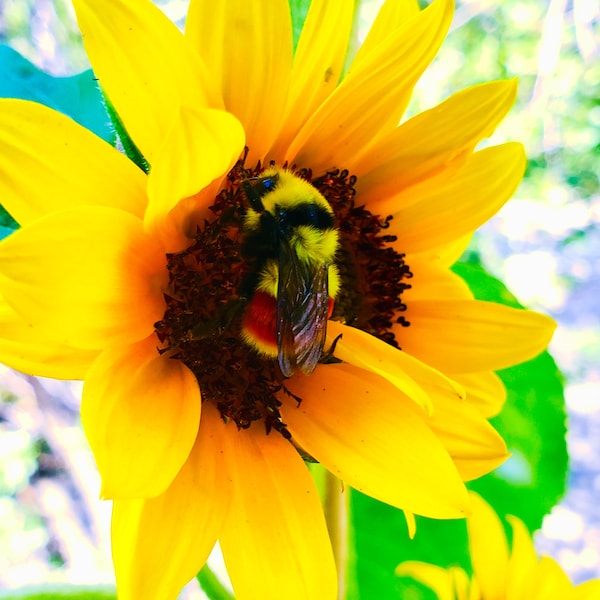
[
  {"x": 459, "y": 336},
  {"x": 474, "y": 445},
  {"x": 24, "y": 350},
  {"x": 275, "y": 525},
  {"x": 435, "y": 578},
  {"x": 203, "y": 145},
  {"x": 86, "y": 277},
  {"x": 144, "y": 65},
  {"x": 485, "y": 391},
  {"x": 318, "y": 64},
  {"x": 426, "y": 144},
  {"x": 372, "y": 96},
  {"x": 522, "y": 563},
  {"x": 488, "y": 548},
  {"x": 550, "y": 581},
  {"x": 399, "y": 368},
  {"x": 140, "y": 411},
  {"x": 392, "y": 15},
  {"x": 432, "y": 280},
  {"x": 440, "y": 212},
  {"x": 247, "y": 47},
  {"x": 372, "y": 437},
  {"x": 160, "y": 544},
  {"x": 446, "y": 254},
  {"x": 45, "y": 165},
  {"x": 590, "y": 590}
]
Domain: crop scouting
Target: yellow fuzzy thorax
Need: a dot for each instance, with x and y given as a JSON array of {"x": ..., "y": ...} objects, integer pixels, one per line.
[
  {"x": 290, "y": 191},
  {"x": 310, "y": 243},
  {"x": 269, "y": 279}
]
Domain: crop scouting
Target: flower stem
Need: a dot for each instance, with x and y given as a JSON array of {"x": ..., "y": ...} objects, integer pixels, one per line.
[
  {"x": 211, "y": 585},
  {"x": 336, "y": 516},
  {"x": 131, "y": 150}
]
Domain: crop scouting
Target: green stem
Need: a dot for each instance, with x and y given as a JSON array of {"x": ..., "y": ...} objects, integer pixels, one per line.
[
  {"x": 353, "y": 41},
  {"x": 211, "y": 585},
  {"x": 131, "y": 150},
  {"x": 336, "y": 516}
]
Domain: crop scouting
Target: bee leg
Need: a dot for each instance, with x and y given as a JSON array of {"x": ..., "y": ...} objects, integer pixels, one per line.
[
  {"x": 292, "y": 395},
  {"x": 327, "y": 358}
]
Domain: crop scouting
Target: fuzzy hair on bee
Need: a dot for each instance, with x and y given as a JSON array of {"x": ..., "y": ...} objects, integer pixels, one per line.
[{"x": 289, "y": 242}]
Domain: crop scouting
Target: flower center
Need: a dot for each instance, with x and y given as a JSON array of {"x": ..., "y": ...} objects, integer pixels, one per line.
[{"x": 229, "y": 298}]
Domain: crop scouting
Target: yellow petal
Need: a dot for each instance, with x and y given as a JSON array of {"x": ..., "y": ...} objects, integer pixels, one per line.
[
  {"x": 86, "y": 277},
  {"x": 550, "y": 581},
  {"x": 160, "y": 544},
  {"x": 49, "y": 163},
  {"x": 458, "y": 205},
  {"x": 488, "y": 548},
  {"x": 317, "y": 67},
  {"x": 474, "y": 445},
  {"x": 411, "y": 524},
  {"x": 203, "y": 145},
  {"x": 399, "y": 368},
  {"x": 522, "y": 563},
  {"x": 140, "y": 411},
  {"x": 432, "y": 280},
  {"x": 144, "y": 65},
  {"x": 21, "y": 348},
  {"x": 248, "y": 49},
  {"x": 485, "y": 391},
  {"x": 461, "y": 336},
  {"x": 590, "y": 590},
  {"x": 373, "y": 95},
  {"x": 435, "y": 578},
  {"x": 371, "y": 436},
  {"x": 426, "y": 144},
  {"x": 392, "y": 15},
  {"x": 274, "y": 539},
  {"x": 447, "y": 254},
  {"x": 464, "y": 587}
]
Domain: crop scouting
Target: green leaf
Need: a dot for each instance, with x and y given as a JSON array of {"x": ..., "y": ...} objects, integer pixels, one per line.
[
  {"x": 212, "y": 586},
  {"x": 131, "y": 150},
  {"x": 531, "y": 482},
  {"x": 298, "y": 9},
  {"x": 381, "y": 543},
  {"x": 533, "y": 423},
  {"x": 60, "y": 593},
  {"x": 78, "y": 97},
  {"x": 7, "y": 224}
]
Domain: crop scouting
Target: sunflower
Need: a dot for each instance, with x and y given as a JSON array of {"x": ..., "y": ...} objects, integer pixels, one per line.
[
  {"x": 498, "y": 573},
  {"x": 129, "y": 278}
]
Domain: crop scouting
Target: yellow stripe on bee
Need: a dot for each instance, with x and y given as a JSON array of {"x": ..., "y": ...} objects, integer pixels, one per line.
[
  {"x": 269, "y": 279},
  {"x": 314, "y": 245},
  {"x": 290, "y": 191}
]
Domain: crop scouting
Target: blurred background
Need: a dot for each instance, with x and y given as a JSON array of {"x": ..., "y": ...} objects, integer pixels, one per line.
[{"x": 545, "y": 245}]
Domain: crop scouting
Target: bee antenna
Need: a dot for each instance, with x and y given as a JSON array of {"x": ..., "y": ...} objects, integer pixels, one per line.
[
  {"x": 256, "y": 188},
  {"x": 254, "y": 198}
]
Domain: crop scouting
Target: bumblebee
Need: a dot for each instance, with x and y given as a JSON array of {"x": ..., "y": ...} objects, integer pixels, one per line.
[{"x": 289, "y": 241}]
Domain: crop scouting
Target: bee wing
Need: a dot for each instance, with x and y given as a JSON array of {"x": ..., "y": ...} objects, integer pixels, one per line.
[{"x": 302, "y": 307}]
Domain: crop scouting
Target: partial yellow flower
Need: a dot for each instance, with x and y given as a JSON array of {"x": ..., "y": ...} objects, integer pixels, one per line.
[
  {"x": 500, "y": 574},
  {"x": 128, "y": 280}
]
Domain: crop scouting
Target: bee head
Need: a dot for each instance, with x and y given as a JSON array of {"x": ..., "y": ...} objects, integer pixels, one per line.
[{"x": 257, "y": 188}]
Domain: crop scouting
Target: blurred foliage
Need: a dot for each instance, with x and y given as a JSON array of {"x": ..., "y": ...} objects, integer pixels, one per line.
[
  {"x": 528, "y": 485},
  {"x": 552, "y": 47},
  {"x": 78, "y": 96},
  {"x": 60, "y": 593}
]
